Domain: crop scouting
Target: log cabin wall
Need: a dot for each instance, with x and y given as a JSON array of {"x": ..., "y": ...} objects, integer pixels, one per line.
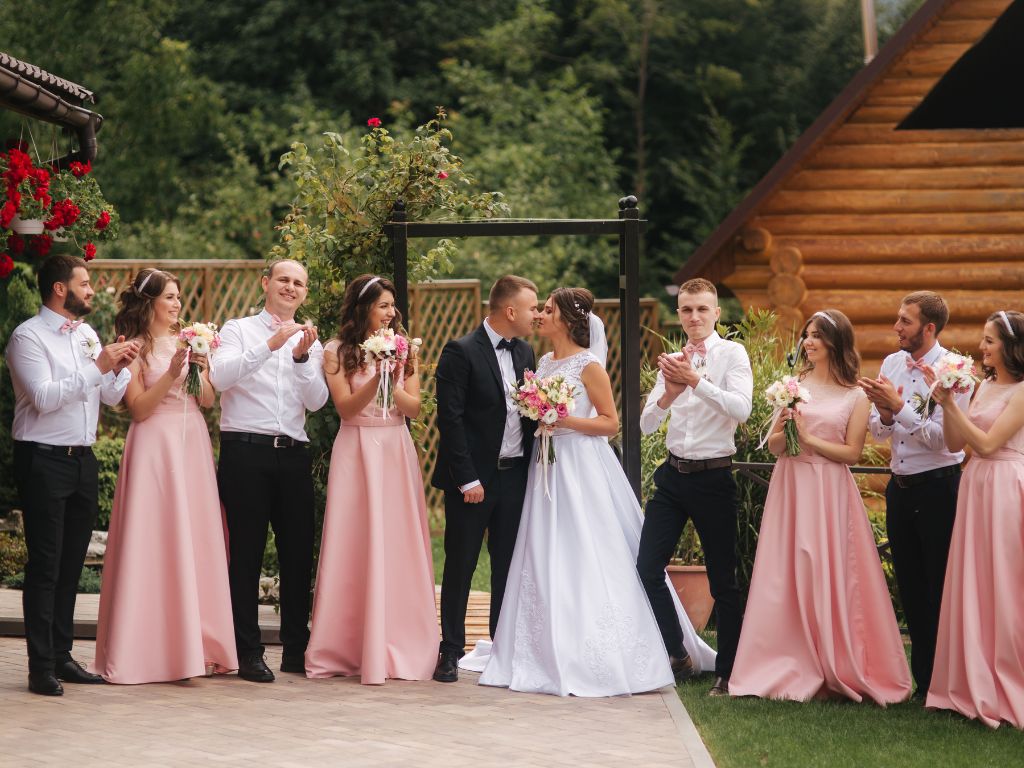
[{"x": 872, "y": 213}]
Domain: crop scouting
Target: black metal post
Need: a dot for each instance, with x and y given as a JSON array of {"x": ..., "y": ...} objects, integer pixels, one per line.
[
  {"x": 629, "y": 303},
  {"x": 399, "y": 234}
]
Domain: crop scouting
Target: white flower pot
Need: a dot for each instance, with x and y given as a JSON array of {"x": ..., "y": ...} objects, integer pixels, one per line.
[{"x": 27, "y": 226}]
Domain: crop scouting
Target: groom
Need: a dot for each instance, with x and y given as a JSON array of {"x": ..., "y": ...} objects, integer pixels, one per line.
[
  {"x": 482, "y": 456},
  {"x": 706, "y": 393},
  {"x": 269, "y": 372}
]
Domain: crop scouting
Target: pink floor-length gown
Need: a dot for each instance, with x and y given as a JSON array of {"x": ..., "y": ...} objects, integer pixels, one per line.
[
  {"x": 374, "y": 613},
  {"x": 165, "y": 607},
  {"x": 979, "y": 655},
  {"x": 819, "y": 621}
]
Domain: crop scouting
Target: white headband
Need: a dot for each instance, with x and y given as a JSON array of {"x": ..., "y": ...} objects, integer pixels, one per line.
[
  {"x": 145, "y": 280},
  {"x": 366, "y": 287},
  {"x": 1006, "y": 322},
  {"x": 827, "y": 317}
]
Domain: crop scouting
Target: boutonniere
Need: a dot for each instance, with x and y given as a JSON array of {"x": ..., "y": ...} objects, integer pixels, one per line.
[
  {"x": 923, "y": 407},
  {"x": 701, "y": 366},
  {"x": 91, "y": 348}
]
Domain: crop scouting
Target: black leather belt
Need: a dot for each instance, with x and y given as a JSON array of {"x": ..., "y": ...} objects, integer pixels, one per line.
[
  {"x": 63, "y": 450},
  {"x": 509, "y": 462},
  {"x": 274, "y": 441},
  {"x": 689, "y": 466},
  {"x": 920, "y": 478}
]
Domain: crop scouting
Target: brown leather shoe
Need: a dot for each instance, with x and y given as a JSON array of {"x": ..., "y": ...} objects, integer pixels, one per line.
[
  {"x": 720, "y": 688},
  {"x": 682, "y": 668}
]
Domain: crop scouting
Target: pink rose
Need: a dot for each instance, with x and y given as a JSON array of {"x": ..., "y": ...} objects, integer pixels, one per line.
[
  {"x": 373, "y": 122},
  {"x": 562, "y": 410},
  {"x": 442, "y": 175}
]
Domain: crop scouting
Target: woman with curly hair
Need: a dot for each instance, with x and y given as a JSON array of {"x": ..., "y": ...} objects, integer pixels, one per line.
[
  {"x": 373, "y": 609},
  {"x": 979, "y": 655},
  {"x": 165, "y": 607}
]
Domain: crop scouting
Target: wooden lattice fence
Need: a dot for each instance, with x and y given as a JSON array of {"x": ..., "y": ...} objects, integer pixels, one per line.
[{"x": 216, "y": 291}]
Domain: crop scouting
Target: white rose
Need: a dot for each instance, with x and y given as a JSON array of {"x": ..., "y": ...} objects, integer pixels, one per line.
[
  {"x": 200, "y": 346},
  {"x": 550, "y": 417}
]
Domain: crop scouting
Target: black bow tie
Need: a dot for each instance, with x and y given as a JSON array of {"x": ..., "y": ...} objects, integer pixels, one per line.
[{"x": 506, "y": 344}]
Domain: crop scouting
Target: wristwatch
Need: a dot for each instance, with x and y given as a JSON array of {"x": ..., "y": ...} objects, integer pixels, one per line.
[{"x": 303, "y": 359}]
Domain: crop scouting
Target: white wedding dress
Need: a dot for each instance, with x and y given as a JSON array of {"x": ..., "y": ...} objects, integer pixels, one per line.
[{"x": 575, "y": 617}]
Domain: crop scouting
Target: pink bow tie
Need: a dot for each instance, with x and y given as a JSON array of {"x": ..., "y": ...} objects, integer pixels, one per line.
[
  {"x": 912, "y": 363},
  {"x": 275, "y": 321},
  {"x": 70, "y": 325},
  {"x": 697, "y": 349}
]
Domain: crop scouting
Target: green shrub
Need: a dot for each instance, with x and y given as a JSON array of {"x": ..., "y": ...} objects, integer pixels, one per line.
[
  {"x": 13, "y": 554},
  {"x": 108, "y": 452},
  {"x": 88, "y": 583}
]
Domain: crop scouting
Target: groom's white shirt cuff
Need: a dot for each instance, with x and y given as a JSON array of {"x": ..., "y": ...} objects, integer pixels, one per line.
[{"x": 469, "y": 486}]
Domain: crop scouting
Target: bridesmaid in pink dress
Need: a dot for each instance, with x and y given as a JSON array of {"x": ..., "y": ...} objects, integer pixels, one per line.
[
  {"x": 165, "y": 609},
  {"x": 819, "y": 622},
  {"x": 979, "y": 657},
  {"x": 373, "y": 610}
]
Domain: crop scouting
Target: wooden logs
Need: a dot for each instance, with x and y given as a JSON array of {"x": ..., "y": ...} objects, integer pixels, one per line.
[
  {"x": 790, "y": 321},
  {"x": 924, "y": 155},
  {"x": 876, "y": 134},
  {"x": 786, "y": 291},
  {"x": 896, "y": 224},
  {"x": 879, "y": 340},
  {"x": 910, "y": 179},
  {"x": 786, "y": 261},
  {"x": 966, "y": 32},
  {"x": 880, "y": 305},
  {"x": 908, "y": 249},
  {"x": 749, "y": 297},
  {"x": 756, "y": 239},
  {"x": 938, "y": 277},
  {"x": 755, "y": 277},
  {"x": 975, "y": 9},
  {"x": 895, "y": 201}
]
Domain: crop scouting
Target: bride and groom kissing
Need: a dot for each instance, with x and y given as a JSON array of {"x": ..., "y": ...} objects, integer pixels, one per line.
[{"x": 580, "y": 603}]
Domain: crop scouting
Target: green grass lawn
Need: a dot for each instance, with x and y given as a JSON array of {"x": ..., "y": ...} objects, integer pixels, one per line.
[
  {"x": 752, "y": 732},
  {"x": 482, "y": 575}
]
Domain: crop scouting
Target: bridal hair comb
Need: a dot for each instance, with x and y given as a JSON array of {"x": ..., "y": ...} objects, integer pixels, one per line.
[
  {"x": 366, "y": 287},
  {"x": 826, "y": 316},
  {"x": 142, "y": 286},
  {"x": 1006, "y": 322}
]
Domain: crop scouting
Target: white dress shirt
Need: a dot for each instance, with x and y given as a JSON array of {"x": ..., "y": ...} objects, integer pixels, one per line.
[
  {"x": 263, "y": 391},
  {"x": 918, "y": 444},
  {"x": 512, "y": 438},
  {"x": 57, "y": 386},
  {"x": 703, "y": 419}
]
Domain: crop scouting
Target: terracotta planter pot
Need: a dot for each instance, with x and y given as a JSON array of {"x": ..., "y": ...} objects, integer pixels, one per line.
[
  {"x": 694, "y": 590},
  {"x": 27, "y": 226}
]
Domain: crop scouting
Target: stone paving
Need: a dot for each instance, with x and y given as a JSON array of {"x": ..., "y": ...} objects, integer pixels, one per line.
[{"x": 299, "y": 722}]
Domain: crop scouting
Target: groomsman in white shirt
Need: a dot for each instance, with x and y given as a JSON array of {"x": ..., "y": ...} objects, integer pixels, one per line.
[
  {"x": 269, "y": 369},
  {"x": 706, "y": 391},
  {"x": 60, "y": 373},
  {"x": 920, "y": 499}
]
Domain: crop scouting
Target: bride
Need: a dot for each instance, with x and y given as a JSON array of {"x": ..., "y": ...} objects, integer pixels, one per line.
[{"x": 576, "y": 619}]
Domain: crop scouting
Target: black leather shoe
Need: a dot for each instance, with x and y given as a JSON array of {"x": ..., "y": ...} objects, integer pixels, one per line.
[
  {"x": 720, "y": 688},
  {"x": 447, "y": 669},
  {"x": 254, "y": 669},
  {"x": 45, "y": 684},
  {"x": 682, "y": 668},
  {"x": 293, "y": 664},
  {"x": 71, "y": 671}
]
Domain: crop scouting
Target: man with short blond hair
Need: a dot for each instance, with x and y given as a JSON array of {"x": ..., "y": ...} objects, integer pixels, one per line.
[{"x": 706, "y": 391}]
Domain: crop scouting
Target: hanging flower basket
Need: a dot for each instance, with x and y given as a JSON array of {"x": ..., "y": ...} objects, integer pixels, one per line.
[{"x": 27, "y": 226}]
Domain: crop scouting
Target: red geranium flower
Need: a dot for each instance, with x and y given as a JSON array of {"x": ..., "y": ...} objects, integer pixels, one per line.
[
  {"x": 8, "y": 212},
  {"x": 6, "y": 265},
  {"x": 16, "y": 244},
  {"x": 90, "y": 251},
  {"x": 442, "y": 175},
  {"x": 80, "y": 169},
  {"x": 41, "y": 244},
  {"x": 103, "y": 220},
  {"x": 373, "y": 122}
]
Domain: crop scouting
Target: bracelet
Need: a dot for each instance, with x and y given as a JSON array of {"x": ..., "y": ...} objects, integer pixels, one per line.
[{"x": 303, "y": 359}]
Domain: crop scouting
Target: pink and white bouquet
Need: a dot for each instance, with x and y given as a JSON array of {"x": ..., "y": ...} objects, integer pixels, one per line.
[
  {"x": 546, "y": 401},
  {"x": 781, "y": 394},
  {"x": 954, "y": 372},
  {"x": 388, "y": 351},
  {"x": 198, "y": 339}
]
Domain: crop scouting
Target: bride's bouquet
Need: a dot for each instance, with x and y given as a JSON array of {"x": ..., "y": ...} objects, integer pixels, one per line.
[
  {"x": 781, "y": 394},
  {"x": 954, "y": 372},
  {"x": 199, "y": 339},
  {"x": 546, "y": 401},
  {"x": 388, "y": 351}
]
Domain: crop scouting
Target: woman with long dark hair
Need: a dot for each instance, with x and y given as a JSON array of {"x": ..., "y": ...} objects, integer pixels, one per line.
[
  {"x": 979, "y": 654},
  {"x": 165, "y": 607},
  {"x": 819, "y": 622},
  {"x": 373, "y": 610}
]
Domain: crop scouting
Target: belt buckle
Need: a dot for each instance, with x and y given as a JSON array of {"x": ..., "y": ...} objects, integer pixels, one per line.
[
  {"x": 276, "y": 438},
  {"x": 71, "y": 450}
]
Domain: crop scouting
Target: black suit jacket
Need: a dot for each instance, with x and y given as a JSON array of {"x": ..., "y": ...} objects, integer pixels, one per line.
[{"x": 471, "y": 409}]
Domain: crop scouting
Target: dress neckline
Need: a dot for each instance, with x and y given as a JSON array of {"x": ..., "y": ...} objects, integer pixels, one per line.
[{"x": 569, "y": 357}]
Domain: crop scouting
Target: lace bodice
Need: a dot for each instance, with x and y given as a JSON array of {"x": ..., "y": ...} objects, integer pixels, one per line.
[
  {"x": 987, "y": 406},
  {"x": 572, "y": 369},
  {"x": 828, "y": 413}
]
